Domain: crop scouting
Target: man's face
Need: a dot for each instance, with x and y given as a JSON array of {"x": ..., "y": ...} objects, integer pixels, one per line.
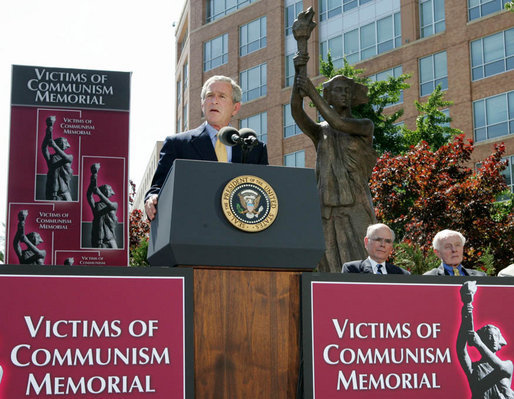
[
  {"x": 450, "y": 250},
  {"x": 218, "y": 106},
  {"x": 379, "y": 245}
]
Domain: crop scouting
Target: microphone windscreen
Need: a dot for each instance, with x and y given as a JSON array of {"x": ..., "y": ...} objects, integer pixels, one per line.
[
  {"x": 225, "y": 135},
  {"x": 247, "y": 132}
]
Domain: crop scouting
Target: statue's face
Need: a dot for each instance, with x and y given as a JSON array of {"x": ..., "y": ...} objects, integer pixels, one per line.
[
  {"x": 107, "y": 190},
  {"x": 340, "y": 94},
  {"x": 493, "y": 339}
]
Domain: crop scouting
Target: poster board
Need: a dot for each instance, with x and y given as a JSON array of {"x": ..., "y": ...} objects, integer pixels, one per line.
[
  {"x": 65, "y": 123},
  {"x": 106, "y": 332},
  {"x": 368, "y": 336}
]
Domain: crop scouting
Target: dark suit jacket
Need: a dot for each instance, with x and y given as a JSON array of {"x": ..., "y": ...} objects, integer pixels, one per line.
[
  {"x": 364, "y": 266},
  {"x": 439, "y": 271},
  {"x": 196, "y": 144}
]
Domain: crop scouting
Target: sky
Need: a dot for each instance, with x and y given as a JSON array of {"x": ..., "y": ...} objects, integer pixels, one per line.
[{"x": 113, "y": 35}]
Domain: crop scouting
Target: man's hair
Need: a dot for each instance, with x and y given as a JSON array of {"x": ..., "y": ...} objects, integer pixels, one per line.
[
  {"x": 374, "y": 227},
  {"x": 443, "y": 234},
  {"x": 237, "y": 93}
]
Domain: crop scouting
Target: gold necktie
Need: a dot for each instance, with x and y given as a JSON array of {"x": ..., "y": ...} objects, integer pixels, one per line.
[
  {"x": 220, "y": 150},
  {"x": 456, "y": 271}
]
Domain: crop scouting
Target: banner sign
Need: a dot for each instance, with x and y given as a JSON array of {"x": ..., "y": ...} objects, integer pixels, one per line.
[
  {"x": 86, "y": 332},
  {"x": 68, "y": 167},
  {"x": 367, "y": 336}
]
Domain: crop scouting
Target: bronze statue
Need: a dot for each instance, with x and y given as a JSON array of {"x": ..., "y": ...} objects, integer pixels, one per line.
[
  {"x": 345, "y": 155},
  {"x": 59, "y": 173},
  {"x": 103, "y": 231},
  {"x": 32, "y": 255},
  {"x": 490, "y": 377}
]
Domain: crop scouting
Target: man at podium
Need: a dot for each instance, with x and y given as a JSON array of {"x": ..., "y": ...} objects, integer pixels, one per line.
[{"x": 221, "y": 100}]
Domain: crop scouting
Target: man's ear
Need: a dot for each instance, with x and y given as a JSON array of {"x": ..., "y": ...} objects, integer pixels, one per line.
[{"x": 237, "y": 107}]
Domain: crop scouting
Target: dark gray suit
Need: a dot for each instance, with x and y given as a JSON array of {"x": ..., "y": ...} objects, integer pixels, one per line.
[
  {"x": 364, "y": 266},
  {"x": 196, "y": 144},
  {"x": 440, "y": 271}
]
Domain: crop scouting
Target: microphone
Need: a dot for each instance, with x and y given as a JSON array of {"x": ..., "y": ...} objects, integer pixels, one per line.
[
  {"x": 229, "y": 135},
  {"x": 248, "y": 135}
]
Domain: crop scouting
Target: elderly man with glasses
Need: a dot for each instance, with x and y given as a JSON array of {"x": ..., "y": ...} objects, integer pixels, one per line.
[{"x": 379, "y": 244}]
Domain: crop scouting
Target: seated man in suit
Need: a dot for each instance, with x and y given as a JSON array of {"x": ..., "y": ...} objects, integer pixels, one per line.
[
  {"x": 221, "y": 100},
  {"x": 449, "y": 247},
  {"x": 379, "y": 244}
]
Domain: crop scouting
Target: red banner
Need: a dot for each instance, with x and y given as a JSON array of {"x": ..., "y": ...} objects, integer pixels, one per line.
[
  {"x": 95, "y": 335},
  {"x": 385, "y": 336},
  {"x": 68, "y": 167}
]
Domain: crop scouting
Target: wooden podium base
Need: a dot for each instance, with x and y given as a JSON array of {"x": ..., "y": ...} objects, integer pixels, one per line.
[{"x": 246, "y": 333}]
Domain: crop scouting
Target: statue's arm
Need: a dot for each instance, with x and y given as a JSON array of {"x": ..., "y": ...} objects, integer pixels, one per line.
[
  {"x": 91, "y": 190},
  {"x": 66, "y": 158},
  {"x": 111, "y": 206},
  {"x": 462, "y": 338},
  {"x": 504, "y": 367},
  {"x": 18, "y": 237},
  {"x": 304, "y": 122}
]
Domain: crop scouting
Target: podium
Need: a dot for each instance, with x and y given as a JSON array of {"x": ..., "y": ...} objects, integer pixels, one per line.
[{"x": 246, "y": 284}]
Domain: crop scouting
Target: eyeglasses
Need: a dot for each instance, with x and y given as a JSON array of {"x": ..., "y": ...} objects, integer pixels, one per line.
[{"x": 382, "y": 240}]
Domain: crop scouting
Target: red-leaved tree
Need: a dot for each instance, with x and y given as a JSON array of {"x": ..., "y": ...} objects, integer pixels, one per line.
[{"x": 424, "y": 191}]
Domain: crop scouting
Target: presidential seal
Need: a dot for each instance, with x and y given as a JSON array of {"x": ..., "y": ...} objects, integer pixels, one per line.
[{"x": 249, "y": 203}]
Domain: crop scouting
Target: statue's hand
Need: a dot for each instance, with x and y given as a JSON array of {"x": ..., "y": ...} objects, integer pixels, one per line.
[
  {"x": 304, "y": 84},
  {"x": 473, "y": 338},
  {"x": 22, "y": 215},
  {"x": 50, "y": 121},
  {"x": 300, "y": 60},
  {"x": 95, "y": 168}
]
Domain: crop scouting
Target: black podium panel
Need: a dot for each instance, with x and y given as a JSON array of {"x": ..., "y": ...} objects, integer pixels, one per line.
[{"x": 191, "y": 229}]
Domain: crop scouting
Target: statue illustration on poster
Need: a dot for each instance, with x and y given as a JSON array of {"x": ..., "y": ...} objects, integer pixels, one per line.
[
  {"x": 32, "y": 255},
  {"x": 490, "y": 377},
  {"x": 60, "y": 173},
  {"x": 103, "y": 231}
]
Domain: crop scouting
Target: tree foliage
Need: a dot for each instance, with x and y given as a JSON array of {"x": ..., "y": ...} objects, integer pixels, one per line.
[
  {"x": 424, "y": 191},
  {"x": 139, "y": 230}
]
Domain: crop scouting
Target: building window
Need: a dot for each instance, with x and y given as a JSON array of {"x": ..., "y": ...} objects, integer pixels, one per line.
[
  {"x": 431, "y": 16},
  {"x": 385, "y": 75},
  {"x": 253, "y": 82},
  {"x": 335, "y": 46},
  {"x": 215, "y": 52},
  {"x": 289, "y": 70},
  {"x": 364, "y": 42},
  {"x": 295, "y": 159},
  {"x": 290, "y": 127},
  {"x": 508, "y": 173},
  {"x": 258, "y": 123},
  {"x": 179, "y": 91},
  {"x": 492, "y": 55},
  {"x": 329, "y": 9},
  {"x": 252, "y": 36},
  {"x": 493, "y": 116},
  {"x": 185, "y": 75},
  {"x": 291, "y": 13},
  {"x": 219, "y": 8},
  {"x": 433, "y": 71},
  {"x": 185, "y": 119},
  {"x": 481, "y": 8}
]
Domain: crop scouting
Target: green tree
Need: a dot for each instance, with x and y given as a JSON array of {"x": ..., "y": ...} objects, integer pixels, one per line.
[
  {"x": 432, "y": 125},
  {"x": 509, "y": 5}
]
